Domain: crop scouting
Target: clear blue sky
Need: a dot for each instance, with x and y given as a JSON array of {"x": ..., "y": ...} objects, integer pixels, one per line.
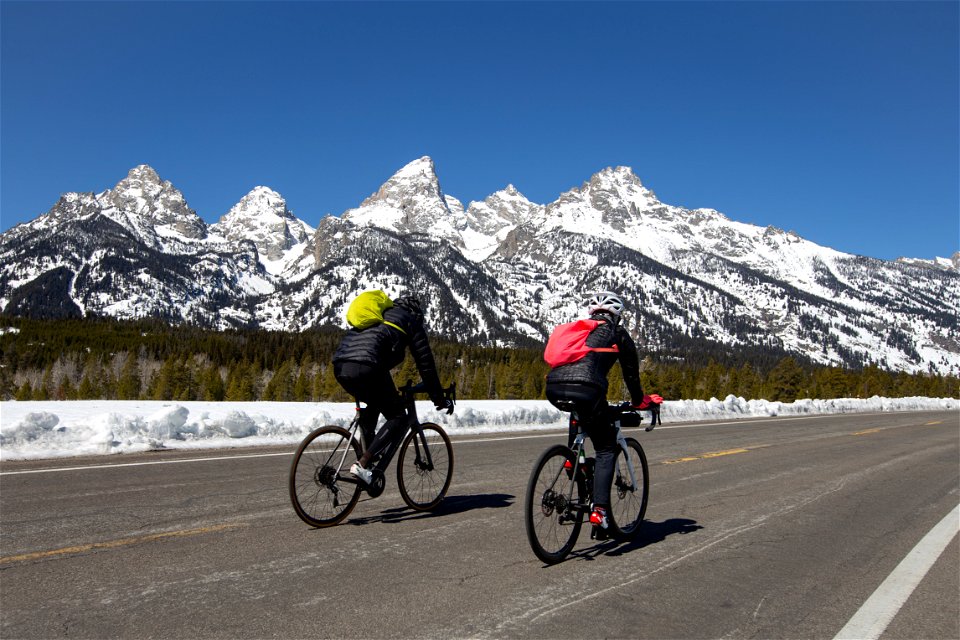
[{"x": 837, "y": 120}]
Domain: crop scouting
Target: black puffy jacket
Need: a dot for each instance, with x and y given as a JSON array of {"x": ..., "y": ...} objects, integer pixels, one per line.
[
  {"x": 592, "y": 369},
  {"x": 385, "y": 346}
]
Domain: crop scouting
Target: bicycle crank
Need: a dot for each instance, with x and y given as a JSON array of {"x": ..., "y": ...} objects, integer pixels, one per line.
[{"x": 377, "y": 484}]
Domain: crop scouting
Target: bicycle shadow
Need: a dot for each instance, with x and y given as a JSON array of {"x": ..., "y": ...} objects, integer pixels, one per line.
[
  {"x": 650, "y": 533},
  {"x": 451, "y": 505}
]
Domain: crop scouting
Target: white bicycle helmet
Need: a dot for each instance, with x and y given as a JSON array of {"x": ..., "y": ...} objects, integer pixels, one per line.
[{"x": 605, "y": 301}]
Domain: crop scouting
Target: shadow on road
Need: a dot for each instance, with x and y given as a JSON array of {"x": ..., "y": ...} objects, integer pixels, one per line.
[
  {"x": 650, "y": 533},
  {"x": 451, "y": 505}
]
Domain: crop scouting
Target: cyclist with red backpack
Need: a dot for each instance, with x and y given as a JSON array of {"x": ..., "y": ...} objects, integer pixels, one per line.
[
  {"x": 382, "y": 331},
  {"x": 581, "y": 355}
]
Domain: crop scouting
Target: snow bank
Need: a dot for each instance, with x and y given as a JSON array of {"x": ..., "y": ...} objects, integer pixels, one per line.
[{"x": 31, "y": 430}]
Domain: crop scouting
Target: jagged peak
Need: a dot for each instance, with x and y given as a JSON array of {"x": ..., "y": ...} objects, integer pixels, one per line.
[
  {"x": 260, "y": 206},
  {"x": 421, "y": 167},
  {"x": 620, "y": 176},
  {"x": 263, "y": 199},
  {"x": 620, "y": 173},
  {"x": 144, "y": 178},
  {"x": 144, "y": 173},
  {"x": 154, "y": 201},
  {"x": 264, "y": 191},
  {"x": 509, "y": 192},
  {"x": 415, "y": 179}
]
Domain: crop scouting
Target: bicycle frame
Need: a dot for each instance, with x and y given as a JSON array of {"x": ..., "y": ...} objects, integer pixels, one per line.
[
  {"x": 413, "y": 424},
  {"x": 579, "y": 449}
]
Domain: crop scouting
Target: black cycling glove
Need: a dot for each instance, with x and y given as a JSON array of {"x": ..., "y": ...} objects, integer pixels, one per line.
[{"x": 445, "y": 405}]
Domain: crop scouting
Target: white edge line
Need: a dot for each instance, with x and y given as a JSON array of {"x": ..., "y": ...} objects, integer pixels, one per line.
[
  {"x": 144, "y": 464},
  {"x": 552, "y": 434},
  {"x": 871, "y": 620}
]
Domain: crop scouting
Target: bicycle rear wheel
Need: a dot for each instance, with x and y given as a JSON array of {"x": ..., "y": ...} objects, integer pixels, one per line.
[
  {"x": 550, "y": 510},
  {"x": 425, "y": 467},
  {"x": 319, "y": 494},
  {"x": 628, "y": 501}
]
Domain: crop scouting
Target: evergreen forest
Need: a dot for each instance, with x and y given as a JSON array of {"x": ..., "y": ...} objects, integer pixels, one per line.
[{"x": 107, "y": 359}]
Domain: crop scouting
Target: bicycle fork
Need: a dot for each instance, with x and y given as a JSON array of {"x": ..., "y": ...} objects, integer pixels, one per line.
[
  {"x": 423, "y": 461},
  {"x": 626, "y": 456}
]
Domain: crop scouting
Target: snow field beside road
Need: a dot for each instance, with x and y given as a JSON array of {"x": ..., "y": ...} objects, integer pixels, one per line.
[{"x": 52, "y": 429}]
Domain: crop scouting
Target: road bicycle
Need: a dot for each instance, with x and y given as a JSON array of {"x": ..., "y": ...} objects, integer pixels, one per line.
[
  {"x": 560, "y": 490},
  {"x": 322, "y": 490}
]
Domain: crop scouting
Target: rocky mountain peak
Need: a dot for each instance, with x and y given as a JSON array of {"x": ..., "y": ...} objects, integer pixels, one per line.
[
  {"x": 144, "y": 173},
  {"x": 622, "y": 181},
  {"x": 262, "y": 201},
  {"x": 500, "y": 271},
  {"x": 410, "y": 201},
  {"x": 508, "y": 204},
  {"x": 263, "y": 218},
  {"x": 415, "y": 181},
  {"x": 153, "y": 204}
]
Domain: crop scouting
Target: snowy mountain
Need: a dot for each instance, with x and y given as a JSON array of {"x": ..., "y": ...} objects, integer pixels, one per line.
[
  {"x": 500, "y": 270},
  {"x": 262, "y": 217}
]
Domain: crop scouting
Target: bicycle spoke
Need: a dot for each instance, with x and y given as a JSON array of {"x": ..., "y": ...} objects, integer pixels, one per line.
[
  {"x": 318, "y": 497},
  {"x": 425, "y": 467},
  {"x": 628, "y": 500},
  {"x": 552, "y": 522}
]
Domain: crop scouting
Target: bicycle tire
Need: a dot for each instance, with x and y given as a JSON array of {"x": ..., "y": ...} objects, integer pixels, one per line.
[
  {"x": 552, "y": 523},
  {"x": 318, "y": 497},
  {"x": 420, "y": 487},
  {"x": 628, "y": 505}
]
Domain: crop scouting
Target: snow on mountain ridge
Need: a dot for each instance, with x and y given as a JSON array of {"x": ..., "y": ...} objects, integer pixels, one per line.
[
  {"x": 151, "y": 207},
  {"x": 488, "y": 222},
  {"x": 263, "y": 218},
  {"x": 499, "y": 270},
  {"x": 410, "y": 201}
]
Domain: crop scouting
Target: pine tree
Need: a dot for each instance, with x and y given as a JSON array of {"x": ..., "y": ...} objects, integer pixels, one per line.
[
  {"x": 6, "y": 383},
  {"x": 280, "y": 387},
  {"x": 785, "y": 381},
  {"x": 304, "y": 384},
  {"x": 128, "y": 384},
  {"x": 45, "y": 390},
  {"x": 240, "y": 383},
  {"x": 25, "y": 392},
  {"x": 479, "y": 384},
  {"x": 212, "y": 388},
  {"x": 162, "y": 387},
  {"x": 65, "y": 389},
  {"x": 88, "y": 389},
  {"x": 671, "y": 384}
]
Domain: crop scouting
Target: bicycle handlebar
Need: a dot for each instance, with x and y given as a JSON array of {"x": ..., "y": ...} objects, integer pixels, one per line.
[
  {"x": 625, "y": 408},
  {"x": 412, "y": 389}
]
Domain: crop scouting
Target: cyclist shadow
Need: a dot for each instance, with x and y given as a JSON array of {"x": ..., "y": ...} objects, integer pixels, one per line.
[
  {"x": 650, "y": 533},
  {"x": 451, "y": 505}
]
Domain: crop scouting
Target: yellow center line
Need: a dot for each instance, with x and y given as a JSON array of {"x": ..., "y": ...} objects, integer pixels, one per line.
[
  {"x": 717, "y": 454},
  {"x": 711, "y": 454},
  {"x": 112, "y": 544},
  {"x": 865, "y": 432},
  {"x": 933, "y": 423}
]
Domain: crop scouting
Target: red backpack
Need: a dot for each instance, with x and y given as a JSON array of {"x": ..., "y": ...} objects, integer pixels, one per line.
[{"x": 568, "y": 342}]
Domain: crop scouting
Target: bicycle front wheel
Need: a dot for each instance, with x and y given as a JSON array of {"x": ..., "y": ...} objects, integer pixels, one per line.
[
  {"x": 319, "y": 494},
  {"x": 628, "y": 494},
  {"x": 425, "y": 467},
  {"x": 551, "y": 510}
]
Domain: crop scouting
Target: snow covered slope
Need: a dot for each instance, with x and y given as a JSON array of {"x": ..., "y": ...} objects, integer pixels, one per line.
[{"x": 500, "y": 270}]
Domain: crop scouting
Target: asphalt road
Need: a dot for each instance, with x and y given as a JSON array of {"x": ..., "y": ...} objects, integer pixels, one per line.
[{"x": 764, "y": 528}]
